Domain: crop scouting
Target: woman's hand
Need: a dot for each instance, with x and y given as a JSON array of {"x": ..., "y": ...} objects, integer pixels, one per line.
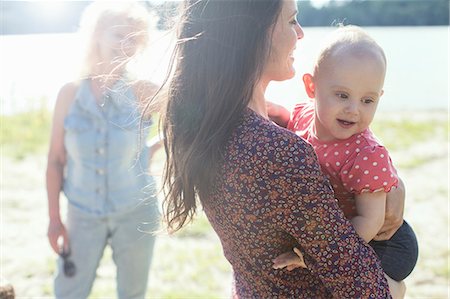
[
  {"x": 395, "y": 203},
  {"x": 57, "y": 230},
  {"x": 290, "y": 260}
]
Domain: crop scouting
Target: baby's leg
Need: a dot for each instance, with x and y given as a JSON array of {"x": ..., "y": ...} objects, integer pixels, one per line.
[
  {"x": 397, "y": 288},
  {"x": 399, "y": 254}
]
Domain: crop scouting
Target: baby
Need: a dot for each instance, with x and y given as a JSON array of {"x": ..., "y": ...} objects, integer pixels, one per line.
[{"x": 346, "y": 85}]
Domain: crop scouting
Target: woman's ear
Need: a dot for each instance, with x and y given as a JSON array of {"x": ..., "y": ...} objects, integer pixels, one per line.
[{"x": 308, "y": 81}]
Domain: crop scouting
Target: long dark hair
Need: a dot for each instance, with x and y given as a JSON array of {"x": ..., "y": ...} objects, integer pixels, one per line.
[{"x": 220, "y": 54}]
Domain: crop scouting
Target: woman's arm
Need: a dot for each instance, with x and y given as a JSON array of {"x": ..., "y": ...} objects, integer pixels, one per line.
[
  {"x": 55, "y": 168},
  {"x": 370, "y": 208},
  {"x": 332, "y": 250},
  {"x": 368, "y": 221}
]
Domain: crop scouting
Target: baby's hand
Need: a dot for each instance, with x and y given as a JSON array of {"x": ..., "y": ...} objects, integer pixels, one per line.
[
  {"x": 278, "y": 114},
  {"x": 272, "y": 109},
  {"x": 290, "y": 260}
]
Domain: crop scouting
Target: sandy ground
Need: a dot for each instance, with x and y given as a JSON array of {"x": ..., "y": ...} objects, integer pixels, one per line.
[{"x": 28, "y": 262}]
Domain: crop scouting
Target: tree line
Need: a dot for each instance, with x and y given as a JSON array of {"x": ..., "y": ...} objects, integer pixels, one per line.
[
  {"x": 376, "y": 13},
  {"x": 356, "y": 12}
]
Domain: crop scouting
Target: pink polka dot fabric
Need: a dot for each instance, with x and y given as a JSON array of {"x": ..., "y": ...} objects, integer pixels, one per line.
[
  {"x": 370, "y": 170},
  {"x": 354, "y": 165}
]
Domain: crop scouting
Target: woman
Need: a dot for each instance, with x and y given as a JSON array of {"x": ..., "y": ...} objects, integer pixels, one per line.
[
  {"x": 260, "y": 185},
  {"x": 98, "y": 159}
]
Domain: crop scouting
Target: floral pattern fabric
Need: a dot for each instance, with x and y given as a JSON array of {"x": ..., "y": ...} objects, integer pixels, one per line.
[{"x": 270, "y": 196}]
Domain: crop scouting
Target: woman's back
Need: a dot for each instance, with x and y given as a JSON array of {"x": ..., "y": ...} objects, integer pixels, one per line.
[{"x": 269, "y": 196}]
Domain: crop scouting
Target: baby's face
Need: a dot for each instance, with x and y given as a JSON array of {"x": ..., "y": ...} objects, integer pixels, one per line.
[{"x": 348, "y": 88}]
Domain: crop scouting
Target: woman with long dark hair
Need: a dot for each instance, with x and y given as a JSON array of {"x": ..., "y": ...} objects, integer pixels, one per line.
[{"x": 260, "y": 185}]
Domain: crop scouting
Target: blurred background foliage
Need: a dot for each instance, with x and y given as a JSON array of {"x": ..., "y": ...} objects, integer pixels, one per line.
[{"x": 64, "y": 18}]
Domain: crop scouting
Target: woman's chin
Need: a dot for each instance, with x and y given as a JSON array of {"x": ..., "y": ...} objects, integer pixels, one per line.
[{"x": 287, "y": 75}]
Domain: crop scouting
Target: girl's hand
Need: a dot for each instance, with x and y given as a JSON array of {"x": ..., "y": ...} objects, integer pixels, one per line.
[
  {"x": 290, "y": 260},
  {"x": 56, "y": 230}
]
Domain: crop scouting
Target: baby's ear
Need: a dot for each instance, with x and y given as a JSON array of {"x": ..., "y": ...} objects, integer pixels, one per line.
[
  {"x": 308, "y": 81},
  {"x": 382, "y": 92}
]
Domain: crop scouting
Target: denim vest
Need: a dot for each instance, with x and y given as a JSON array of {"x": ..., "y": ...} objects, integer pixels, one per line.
[{"x": 107, "y": 159}]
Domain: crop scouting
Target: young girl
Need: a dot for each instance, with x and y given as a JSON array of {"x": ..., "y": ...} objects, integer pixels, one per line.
[
  {"x": 99, "y": 160},
  {"x": 347, "y": 84}
]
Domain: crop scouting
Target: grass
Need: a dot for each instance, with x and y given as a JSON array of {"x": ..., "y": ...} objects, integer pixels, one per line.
[
  {"x": 25, "y": 133},
  {"x": 401, "y": 133},
  {"x": 189, "y": 273}
]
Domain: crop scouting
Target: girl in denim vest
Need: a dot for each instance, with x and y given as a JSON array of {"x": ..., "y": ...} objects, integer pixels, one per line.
[{"x": 99, "y": 159}]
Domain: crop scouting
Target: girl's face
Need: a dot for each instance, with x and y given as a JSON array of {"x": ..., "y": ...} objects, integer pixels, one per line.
[
  {"x": 118, "y": 42},
  {"x": 286, "y": 32},
  {"x": 347, "y": 90}
]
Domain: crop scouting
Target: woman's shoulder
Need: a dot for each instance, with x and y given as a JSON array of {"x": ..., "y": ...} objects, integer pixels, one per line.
[{"x": 267, "y": 134}]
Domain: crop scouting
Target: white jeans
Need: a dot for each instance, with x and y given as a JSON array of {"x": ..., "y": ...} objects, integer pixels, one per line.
[{"x": 132, "y": 251}]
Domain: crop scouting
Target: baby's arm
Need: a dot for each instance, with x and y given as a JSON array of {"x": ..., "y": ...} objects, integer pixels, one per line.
[
  {"x": 393, "y": 219},
  {"x": 277, "y": 113},
  {"x": 370, "y": 209}
]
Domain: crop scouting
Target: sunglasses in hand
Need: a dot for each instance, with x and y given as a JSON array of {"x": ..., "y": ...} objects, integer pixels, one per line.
[{"x": 68, "y": 265}]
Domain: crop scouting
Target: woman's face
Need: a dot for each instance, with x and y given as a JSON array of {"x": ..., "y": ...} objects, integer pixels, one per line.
[{"x": 285, "y": 34}]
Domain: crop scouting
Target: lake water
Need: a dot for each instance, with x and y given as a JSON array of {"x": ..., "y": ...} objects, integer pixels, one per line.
[{"x": 33, "y": 67}]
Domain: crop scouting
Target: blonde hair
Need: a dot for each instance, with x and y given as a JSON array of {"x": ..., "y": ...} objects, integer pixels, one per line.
[
  {"x": 344, "y": 39},
  {"x": 100, "y": 16}
]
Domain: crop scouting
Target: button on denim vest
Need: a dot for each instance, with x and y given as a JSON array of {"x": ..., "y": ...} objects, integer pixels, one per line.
[{"x": 107, "y": 160}]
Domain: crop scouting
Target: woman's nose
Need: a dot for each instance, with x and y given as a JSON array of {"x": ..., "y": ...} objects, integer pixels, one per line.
[{"x": 300, "y": 33}]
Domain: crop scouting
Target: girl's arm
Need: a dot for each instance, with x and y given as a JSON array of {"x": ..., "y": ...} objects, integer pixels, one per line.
[
  {"x": 370, "y": 209},
  {"x": 55, "y": 168},
  {"x": 150, "y": 106},
  {"x": 145, "y": 92}
]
